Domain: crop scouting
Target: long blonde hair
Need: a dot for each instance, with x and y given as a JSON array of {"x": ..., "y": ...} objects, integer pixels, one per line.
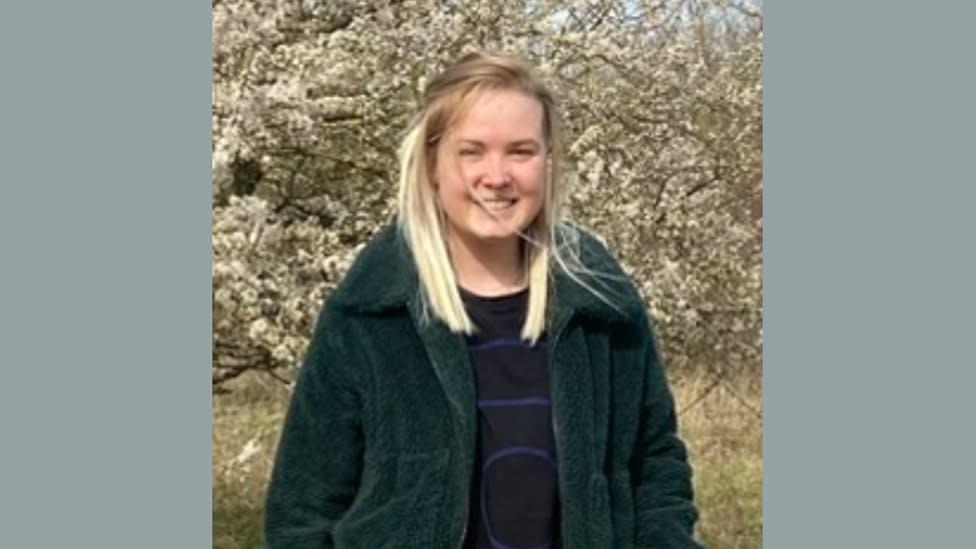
[{"x": 421, "y": 221}]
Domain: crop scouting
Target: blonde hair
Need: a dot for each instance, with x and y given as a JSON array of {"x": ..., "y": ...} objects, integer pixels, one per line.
[{"x": 421, "y": 221}]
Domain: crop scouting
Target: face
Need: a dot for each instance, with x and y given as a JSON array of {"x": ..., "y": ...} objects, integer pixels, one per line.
[{"x": 495, "y": 152}]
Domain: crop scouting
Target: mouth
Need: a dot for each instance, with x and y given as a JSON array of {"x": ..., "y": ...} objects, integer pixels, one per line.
[{"x": 497, "y": 204}]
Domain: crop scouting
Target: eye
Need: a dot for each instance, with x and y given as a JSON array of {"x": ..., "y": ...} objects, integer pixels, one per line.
[
  {"x": 468, "y": 152},
  {"x": 524, "y": 152}
]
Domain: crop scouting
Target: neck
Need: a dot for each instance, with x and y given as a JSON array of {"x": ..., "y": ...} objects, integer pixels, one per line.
[{"x": 488, "y": 268}]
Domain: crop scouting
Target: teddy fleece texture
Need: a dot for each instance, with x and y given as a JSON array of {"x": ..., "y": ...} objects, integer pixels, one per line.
[{"x": 378, "y": 444}]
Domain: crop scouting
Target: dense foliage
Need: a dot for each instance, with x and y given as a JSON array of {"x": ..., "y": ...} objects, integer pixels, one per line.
[{"x": 662, "y": 106}]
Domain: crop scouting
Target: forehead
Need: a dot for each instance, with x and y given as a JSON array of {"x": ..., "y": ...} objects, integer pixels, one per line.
[{"x": 504, "y": 115}]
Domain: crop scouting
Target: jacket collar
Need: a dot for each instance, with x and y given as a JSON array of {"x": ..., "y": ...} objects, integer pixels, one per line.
[{"x": 383, "y": 277}]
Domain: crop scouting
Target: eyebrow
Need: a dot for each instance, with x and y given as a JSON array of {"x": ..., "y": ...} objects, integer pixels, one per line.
[{"x": 519, "y": 143}]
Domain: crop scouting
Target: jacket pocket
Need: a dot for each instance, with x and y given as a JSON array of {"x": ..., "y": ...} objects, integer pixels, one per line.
[
  {"x": 409, "y": 518},
  {"x": 612, "y": 510},
  {"x": 622, "y": 498},
  {"x": 600, "y": 519}
]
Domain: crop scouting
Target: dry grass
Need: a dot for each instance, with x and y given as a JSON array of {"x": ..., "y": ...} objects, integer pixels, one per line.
[
  {"x": 246, "y": 424},
  {"x": 723, "y": 433}
]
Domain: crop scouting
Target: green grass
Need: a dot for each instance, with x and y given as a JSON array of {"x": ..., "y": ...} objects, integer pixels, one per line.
[{"x": 723, "y": 433}]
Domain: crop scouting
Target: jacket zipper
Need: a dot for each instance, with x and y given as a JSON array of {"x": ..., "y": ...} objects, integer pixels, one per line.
[
  {"x": 555, "y": 425},
  {"x": 465, "y": 503},
  {"x": 464, "y": 531},
  {"x": 465, "y": 487}
]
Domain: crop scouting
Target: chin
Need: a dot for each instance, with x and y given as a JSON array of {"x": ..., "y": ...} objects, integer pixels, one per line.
[
  {"x": 490, "y": 230},
  {"x": 497, "y": 233}
]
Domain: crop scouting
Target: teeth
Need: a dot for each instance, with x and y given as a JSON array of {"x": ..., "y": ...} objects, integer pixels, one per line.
[{"x": 498, "y": 204}]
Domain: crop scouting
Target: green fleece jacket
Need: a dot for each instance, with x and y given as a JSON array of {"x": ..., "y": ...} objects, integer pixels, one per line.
[{"x": 379, "y": 439}]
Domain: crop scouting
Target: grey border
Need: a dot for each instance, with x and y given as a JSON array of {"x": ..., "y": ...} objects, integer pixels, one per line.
[
  {"x": 869, "y": 275},
  {"x": 105, "y": 293},
  {"x": 104, "y": 302}
]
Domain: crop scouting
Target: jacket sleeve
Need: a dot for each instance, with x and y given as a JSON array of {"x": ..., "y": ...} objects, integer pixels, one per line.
[
  {"x": 319, "y": 457},
  {"x": 664, "y": 508}
]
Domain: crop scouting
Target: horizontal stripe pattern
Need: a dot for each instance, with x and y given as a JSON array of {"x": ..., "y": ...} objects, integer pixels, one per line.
[{"x": 515, "y": 490}]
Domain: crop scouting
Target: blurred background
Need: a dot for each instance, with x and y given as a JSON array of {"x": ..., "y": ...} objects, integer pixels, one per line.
[{"x": 662, "y": 108}]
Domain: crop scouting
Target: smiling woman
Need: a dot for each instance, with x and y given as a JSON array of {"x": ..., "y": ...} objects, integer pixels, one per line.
[
  {"x": 485, "y": 376},
  {"x": 490, "y": 177}
]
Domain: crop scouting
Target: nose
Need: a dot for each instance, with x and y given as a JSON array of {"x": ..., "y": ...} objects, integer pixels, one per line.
[{"x": 496, "y": 173}]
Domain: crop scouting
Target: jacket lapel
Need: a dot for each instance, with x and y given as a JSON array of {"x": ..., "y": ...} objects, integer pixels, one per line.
[
  {"x": 572, "y": 395},
  {"x": 572, "y": 398},
  {"x": 449, "y": 358}
]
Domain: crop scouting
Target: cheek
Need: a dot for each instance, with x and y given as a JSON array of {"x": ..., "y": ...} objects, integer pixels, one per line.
[
  {"x": 453, "y": 195},
  {"x": 450, "y": 184},
  {"x": 533, "y": 180}
]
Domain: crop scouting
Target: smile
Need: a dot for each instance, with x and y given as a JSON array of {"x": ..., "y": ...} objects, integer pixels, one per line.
[{"x": 496, "y": 205}]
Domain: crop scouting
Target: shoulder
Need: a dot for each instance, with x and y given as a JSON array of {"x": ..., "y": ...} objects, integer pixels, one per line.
[
  {"x": 376, "y": 280},
  {"x": 633, "y": 325},
  {"x": 590, "y": 277},
  {"x": 381, "y": 276},
  {"x": 570, "y": 233}
]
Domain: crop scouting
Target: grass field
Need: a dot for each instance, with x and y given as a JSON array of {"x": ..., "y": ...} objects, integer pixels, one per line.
[{"x": 722, "y": 430}]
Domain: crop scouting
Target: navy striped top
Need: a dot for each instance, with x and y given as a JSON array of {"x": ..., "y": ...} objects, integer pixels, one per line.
[{"x": 515, "y": 494}]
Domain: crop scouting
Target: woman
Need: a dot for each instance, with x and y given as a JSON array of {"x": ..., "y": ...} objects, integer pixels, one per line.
[{"x": 485, "y": 375}]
